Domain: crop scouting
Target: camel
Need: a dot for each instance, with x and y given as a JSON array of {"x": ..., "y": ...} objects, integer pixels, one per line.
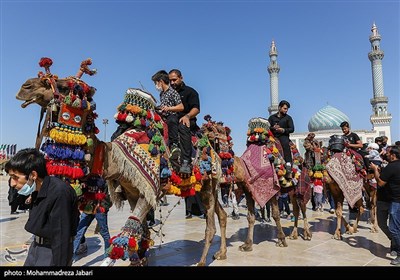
[
  {"x": 132, "y": 185},
  {"x": 338, "y": 197},
  {"x": 299, "y": 192},
  {"x": 141, "y": 197}
]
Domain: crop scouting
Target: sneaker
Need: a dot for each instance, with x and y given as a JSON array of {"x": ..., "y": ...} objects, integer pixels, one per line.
[
  {"x": 393, "y": 253},
  {"x": 396, "y": 261},
  {"x": 108, "y": 262},
  {"x": 235, "y": 216},
  {"x": 189, "y": 216},
  {"x": 174, "y": 156},
  {"x": 268, "y": 220},
  {"x": 332, "y": 211},
  {"x": 202, "y": 216},
  {"x": 82, "y": 249},
  {"x": 185, "y": 168}
]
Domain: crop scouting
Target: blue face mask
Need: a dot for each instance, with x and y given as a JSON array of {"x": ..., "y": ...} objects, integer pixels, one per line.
[{"x": 27, "y": 190}]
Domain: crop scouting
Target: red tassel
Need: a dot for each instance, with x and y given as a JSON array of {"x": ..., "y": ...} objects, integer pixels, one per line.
[
  {"x": 120, "y": 117},
  {"x": 100, "y": 196},
  {"x": 175, "y": 179},
  {"x": 132, "y": 242},
  {"x": 45, "y": 62},
  {"x": 112, "y": 239},
  {"x": 197, "y": 175},
  {"x": 157, "y": 118}
]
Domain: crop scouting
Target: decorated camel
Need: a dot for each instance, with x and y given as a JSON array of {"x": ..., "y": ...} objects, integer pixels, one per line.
[
  {"x": 344, "y": 176},
  {"x": 259, "y": 173},
  {"x": 256, "y": 176},
  {"x": 133, "y": 164}
]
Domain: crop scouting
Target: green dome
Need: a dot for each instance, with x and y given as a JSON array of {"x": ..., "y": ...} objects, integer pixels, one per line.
[{"x": 327, "y": 118}]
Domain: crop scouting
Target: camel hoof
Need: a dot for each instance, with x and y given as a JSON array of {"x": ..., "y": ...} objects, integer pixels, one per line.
[
  {"x": 307, "y": 236},
  {"x": 246, "y": 248},
  {"x": 281, "y": 244},
  {"x": 374, "y": 230},
  {"x": 293, "y": 236},
  {"x": 219, "y": 256},
  {"x": 337, "y": 237},
  {"x": 350, "y": 230},
  {"x": 201, "y": 264}
]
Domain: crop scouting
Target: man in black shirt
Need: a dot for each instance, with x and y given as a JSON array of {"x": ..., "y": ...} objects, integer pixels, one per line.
[
  {"x": 382, "y": 214},
  {"x": 187, "y": 118},
  {"x": 353, "y": 139},
  {"x": 54, "y": 216},
  {"x": 390, "y": 178},
  {"x": 281, "y": 126}
]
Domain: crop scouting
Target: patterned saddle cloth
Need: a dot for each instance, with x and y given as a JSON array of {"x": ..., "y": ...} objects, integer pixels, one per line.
[{"x": 341, "y": 168}]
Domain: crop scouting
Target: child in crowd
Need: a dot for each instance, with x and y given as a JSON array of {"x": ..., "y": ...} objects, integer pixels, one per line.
[{"x": 373, "y": 154}]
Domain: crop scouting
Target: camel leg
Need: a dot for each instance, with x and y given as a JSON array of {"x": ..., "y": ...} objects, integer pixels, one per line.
[
  {"x": 339, "y": 219},
  {"x": 374, "y": 220},
  {"x": 208, "y": 196},
  {"x": 338, "y": 198},
  {"x": 296, "y": 213},
  {"x": 275, "y": 215},
  {"x": 360, "y": 211},
  {"x": 307, "y": 231},
  {"x": 372, "y": 207},
  {"x": 222, "y": 220},
  {"x": 251, "y": 218}
]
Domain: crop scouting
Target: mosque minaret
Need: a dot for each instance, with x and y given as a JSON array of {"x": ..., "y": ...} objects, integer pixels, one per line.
[
  {"x": 380, "y": 119},
  {"x": 273, "y": 70}
]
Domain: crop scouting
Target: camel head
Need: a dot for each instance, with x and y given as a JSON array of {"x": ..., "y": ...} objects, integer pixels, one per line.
[
  {"x": 42, "y": 90},
  {"x": 39, "y": 91}
]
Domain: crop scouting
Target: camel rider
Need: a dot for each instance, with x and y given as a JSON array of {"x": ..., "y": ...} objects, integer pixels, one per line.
[
  {"x": 281, "y": 126},
  {"x": 354, "y": 143}
]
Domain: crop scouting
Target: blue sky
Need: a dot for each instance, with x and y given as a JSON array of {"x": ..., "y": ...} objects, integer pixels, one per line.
[{"x": 221, "y": 47}]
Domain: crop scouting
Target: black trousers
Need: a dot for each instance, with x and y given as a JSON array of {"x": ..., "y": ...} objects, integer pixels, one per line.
[
  {"x": 191, "y": 201},
  {"x": 185, "y": 136},
  {"x": 173, "y": 124},
  {"x": 287, "y": 153},
  {"x": 39, "y": 255}
]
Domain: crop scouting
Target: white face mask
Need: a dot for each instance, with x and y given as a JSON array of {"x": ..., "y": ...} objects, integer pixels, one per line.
[
  {"x": 27, "y": 190},
  {"x": 158, "y": 88}
]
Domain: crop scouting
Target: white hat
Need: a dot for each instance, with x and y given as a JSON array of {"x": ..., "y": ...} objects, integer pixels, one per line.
[{"x": 373, "y": 146}]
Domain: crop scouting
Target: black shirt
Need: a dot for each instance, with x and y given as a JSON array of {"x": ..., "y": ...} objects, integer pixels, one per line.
[
  {"x": 391, "y": 175},
  {"x": 55, "y": 216},
  {"x": 190, "y": 99},
  {"x": 285, "y": 122},
  {"x": 352, "y": 138}
]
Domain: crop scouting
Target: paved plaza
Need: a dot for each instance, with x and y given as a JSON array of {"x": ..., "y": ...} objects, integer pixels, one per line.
[{"x": 182, "y": 240}]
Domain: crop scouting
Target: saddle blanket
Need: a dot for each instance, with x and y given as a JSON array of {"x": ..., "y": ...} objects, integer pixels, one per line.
[
  {"x": 341, "y": 168},
  {"x": 260, "y": 174}
]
